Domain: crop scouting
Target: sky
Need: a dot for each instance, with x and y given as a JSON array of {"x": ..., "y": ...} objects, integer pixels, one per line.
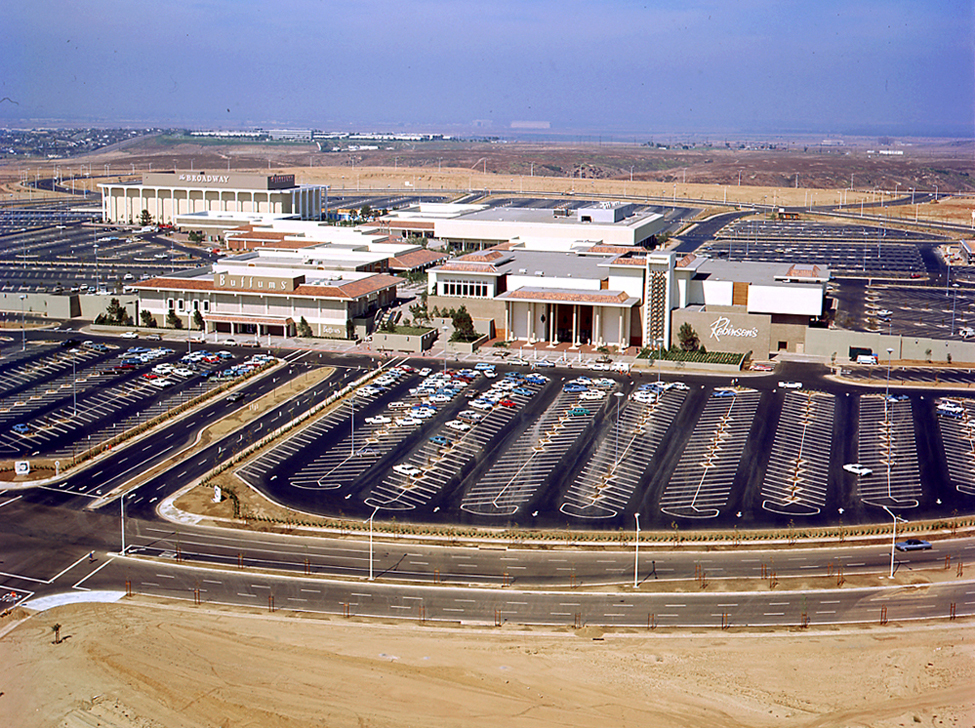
[{"x": 580, "y": 66}]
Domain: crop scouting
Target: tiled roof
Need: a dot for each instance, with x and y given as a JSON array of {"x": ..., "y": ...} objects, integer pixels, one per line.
[
  {"x": 563, "y": 295},
  {"x": 686, "y": 260},
  {"x": 468, "y": 267},
  {"x": 613, "y": 249},
  {"x": 804, "y": 272},
  {"x": 485, "y": 256},
  {"x": 416, "y": 258},
  {"x": 641, "y": 261}
]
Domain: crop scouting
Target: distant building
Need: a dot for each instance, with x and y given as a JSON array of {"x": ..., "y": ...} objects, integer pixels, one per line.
[{"x": 167, "y": 195}]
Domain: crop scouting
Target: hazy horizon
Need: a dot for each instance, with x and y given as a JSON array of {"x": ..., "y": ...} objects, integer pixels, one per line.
[{"x": 619, "y": 69}]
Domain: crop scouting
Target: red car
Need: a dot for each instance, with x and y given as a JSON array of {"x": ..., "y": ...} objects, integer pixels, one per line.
[
  {"x": 150, "y": 375},
  {"x": 508, "y": 403}
]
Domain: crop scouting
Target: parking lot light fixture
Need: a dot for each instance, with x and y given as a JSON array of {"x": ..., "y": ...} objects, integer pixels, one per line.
[
  {"x": 636, "y": 553},
  {"x": 619, "y": 396},
  {"x": 445, "y": 348},
  {"x": 23, "y": 324}
]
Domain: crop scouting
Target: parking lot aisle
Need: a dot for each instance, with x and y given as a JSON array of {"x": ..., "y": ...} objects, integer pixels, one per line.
[
  {"x": 958, "y": 434},
  {"x": 528, "y": 463},
  {"x": 606, "y": 482},
  {"x": 888, "y": 447},
  {"x": 798, "y": 467},
  {"x": 702, "y": 481}
]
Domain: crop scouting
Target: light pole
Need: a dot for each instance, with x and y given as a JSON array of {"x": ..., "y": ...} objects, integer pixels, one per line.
[
  {"x": 23, "y": 324},
  {"x": 636, "y": 554},
  {"x": 370, "y": 542},
  {"x": 122, "y": 521},
  {"x": 445, "y": 348},
  {"x": 619, "y": 396},
  {"x": 352, "y": 428},
  {"x": 887, "y": 389},
  {"x": 954, "y": 302},
  {"x": 893, "y": 539}
]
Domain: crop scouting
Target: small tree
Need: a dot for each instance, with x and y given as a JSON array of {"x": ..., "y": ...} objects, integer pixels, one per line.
[
  {"x": 173, "y": 321},
  {"x": 304, "y": 330},
  {"x": 116, "y": 314},
  {"x": 145, "y": 218},
  {"x": 195, "y": 237},
  {"x": 147, "y": 319},
  {"x": 349, "y": 329},
  {"x": 463, "y": 326},
  {"x": 365, "y": 212},
  {"x": 198, "y": 320},
  {"x": 57, "y": 633},
  {"x": 687, "y": 337}
]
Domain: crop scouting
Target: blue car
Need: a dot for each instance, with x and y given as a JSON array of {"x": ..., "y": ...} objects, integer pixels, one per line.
[
  {"x": 523, "y": 392},
  {"x": 574, "y": 388},
  {"x": 21, "y": 429},
  {"x": 440, "y": 440}
]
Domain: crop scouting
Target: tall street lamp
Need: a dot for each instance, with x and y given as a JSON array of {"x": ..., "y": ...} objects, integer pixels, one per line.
[
  {"x": 23, "y": 324},
  {"x": 893, "y": 540},
  {"x": 370, "y": 542},
  {"x": 619, "y": 396},
  {"x": 445, "y": 348},
  {"x": 636, "y": 554}
]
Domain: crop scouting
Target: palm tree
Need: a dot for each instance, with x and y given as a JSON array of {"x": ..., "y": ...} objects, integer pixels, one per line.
[{"x": 57, "y": 633}]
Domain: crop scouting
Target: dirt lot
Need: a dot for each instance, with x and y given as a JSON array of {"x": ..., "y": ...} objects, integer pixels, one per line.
[
  {"x": 150, "y": 666},
  {"x": 764, "y": 173}
]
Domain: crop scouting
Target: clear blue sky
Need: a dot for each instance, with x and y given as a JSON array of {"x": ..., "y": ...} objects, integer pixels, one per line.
[{"x": 588, "y": 66}]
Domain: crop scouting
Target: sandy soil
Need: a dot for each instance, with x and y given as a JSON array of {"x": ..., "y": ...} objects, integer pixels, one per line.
[{"x": 131, "y": 665}]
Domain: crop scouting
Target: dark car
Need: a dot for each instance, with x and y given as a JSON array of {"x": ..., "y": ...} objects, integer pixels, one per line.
[
  {"x": 70, "y": 344},
  {"x": 236, "y": 397},
  {"x": 912, "y": 544}
]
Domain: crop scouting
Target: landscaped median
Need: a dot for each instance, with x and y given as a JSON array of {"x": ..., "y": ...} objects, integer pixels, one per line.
[{"x": 679, "y": 359}]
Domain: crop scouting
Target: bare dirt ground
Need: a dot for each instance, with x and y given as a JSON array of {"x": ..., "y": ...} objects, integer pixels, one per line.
[
  {"x": 799, "y": 171},
  {"x": 142, "y": 665}
]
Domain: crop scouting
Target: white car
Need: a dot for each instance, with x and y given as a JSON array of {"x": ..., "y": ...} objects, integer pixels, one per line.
[
  {"x": 857, "y": 469},
  {"x": 408, "y": 421},
  {"x": 399, "y": 405},
  {"x": 482, "y": 404},
  {"x": 592, "y": 394},
  {"x": 162, "y": 369},
  {"x": 409, "y": 470},
  {"x": 790, "y": 385},
  {"x": 129, "y": 335},
  {"x": 161, "y": 383},
  {"x": 183, "y": 372},
  {"x": 378, "y": 420},
  {"x": 458, "y": 425},
  {"x": 425, "y": 372}
]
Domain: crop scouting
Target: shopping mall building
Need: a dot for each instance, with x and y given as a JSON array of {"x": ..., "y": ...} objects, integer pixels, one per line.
[{"x": 167, "y": 195}]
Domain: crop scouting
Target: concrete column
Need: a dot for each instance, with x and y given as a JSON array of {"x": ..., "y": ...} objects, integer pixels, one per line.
[
  {"x": 597, "y": 321},
  {"x": 531, "y": 323},
  {"x": 507, "y": 321},
  {"x": 623, "y": 337},
  {"x": 575, "y": 325}
]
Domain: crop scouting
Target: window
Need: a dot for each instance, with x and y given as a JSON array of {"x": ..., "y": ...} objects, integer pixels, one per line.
[
  {"x": 169, "y": 303},
  {"x": 196, "y": 305},
  {"x": 206, "y": 307},
  {"x": 181, "y": 305}
]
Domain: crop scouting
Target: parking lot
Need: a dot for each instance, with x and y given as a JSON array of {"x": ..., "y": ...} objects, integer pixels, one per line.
[
  {"x": 76, "y": 257},
  {"x": 847, "y": 250},
  {"x": 503, "y": 445},
  {"x": 60, "y": 399},
  {"x": 939, "y": 312}
]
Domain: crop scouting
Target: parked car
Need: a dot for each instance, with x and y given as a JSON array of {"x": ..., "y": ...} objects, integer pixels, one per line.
[
  {"x": 378, "y": 420},
  {"x": 857, "y": 469},
  {"x": 579, "y": 412},
  {"x": 440, "y": 440},
  {"x": 458, "y": 425},
  {"x": 790, "y": 385},
  {"x": 409, "y": 470},
  {"x": 21, "y": 429}
]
